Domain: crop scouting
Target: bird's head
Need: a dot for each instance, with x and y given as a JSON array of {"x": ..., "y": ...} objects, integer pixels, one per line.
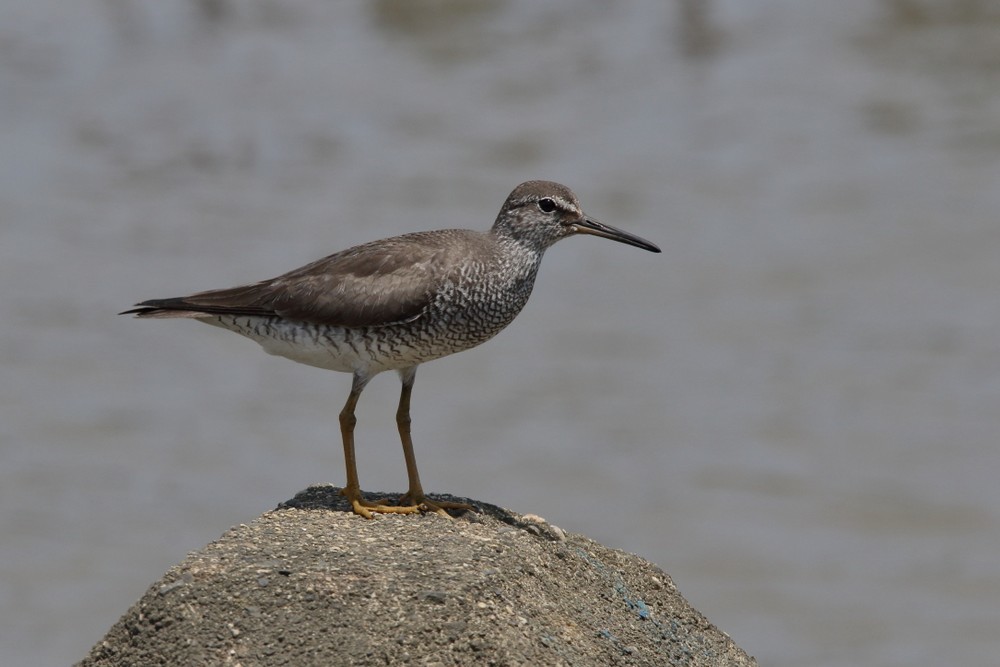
[{"x": 539, "y": 213}]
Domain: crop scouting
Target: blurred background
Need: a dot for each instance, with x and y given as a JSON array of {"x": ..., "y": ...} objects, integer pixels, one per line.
[{"x": 794, "y": 410}]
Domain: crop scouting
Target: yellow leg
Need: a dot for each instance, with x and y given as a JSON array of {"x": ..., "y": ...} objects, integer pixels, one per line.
[
  {"x": 352, "y": 491},
  {"x": 413, "y": 501},
  {"x": 414, "y": 496}
]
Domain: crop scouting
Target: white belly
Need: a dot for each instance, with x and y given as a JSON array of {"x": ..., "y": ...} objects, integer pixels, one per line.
[{"x": 332, "y": 348}]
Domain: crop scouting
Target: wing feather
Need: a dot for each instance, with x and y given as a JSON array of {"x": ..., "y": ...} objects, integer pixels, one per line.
[{"x": 377, "y": 283}]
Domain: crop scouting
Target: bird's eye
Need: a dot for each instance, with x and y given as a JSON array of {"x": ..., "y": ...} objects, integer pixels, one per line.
[{"x": 546, "y": 205}]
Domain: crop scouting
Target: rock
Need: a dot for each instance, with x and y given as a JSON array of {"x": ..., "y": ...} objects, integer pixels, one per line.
[{"x": 311, "y": 584}]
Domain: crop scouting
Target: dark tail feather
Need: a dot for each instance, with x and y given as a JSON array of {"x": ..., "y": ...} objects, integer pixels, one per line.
[
  {"x": 186, "y": 307},
  {"x": 165, "y": 308}
]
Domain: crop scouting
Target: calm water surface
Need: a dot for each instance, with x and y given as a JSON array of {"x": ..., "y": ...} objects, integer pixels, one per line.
[{"x": 794, "y": 410}]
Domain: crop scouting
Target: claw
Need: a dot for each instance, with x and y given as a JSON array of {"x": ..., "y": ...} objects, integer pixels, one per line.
[
  {"x": 407, "y": 504},
  {"x": 437, "y": 506},
  {"x": 365, "y": 508}
]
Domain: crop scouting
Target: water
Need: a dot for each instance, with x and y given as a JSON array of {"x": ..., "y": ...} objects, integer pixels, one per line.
[{"x": 793, "y": 409}]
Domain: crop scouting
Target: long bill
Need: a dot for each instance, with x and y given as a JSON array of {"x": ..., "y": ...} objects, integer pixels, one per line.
[{"x": 595, "y": 228}]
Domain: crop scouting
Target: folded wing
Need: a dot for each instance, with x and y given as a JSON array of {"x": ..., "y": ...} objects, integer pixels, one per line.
[{"x": 377, "y": 283}]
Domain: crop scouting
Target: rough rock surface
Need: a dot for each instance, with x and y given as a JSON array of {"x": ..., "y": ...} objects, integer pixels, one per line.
[{"x": 311, "y": 584}]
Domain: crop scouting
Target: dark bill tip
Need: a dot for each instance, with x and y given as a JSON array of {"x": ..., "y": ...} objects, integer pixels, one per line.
[{"x": 595, "y": 228}]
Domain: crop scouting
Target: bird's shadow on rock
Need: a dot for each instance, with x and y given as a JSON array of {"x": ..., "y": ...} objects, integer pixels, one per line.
[{"x": 328, "y": 497}]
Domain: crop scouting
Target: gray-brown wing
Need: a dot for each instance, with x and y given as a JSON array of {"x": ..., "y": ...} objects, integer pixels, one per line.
[{"x": 369, "y": 285}]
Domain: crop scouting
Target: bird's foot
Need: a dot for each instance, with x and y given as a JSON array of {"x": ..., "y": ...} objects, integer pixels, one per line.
[
  {"x": 424, "y": 504},
  {"x": 408, "y": 503},
  {"x": 366, "y": 508}
]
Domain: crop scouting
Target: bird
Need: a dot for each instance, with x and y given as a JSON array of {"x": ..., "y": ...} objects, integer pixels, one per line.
[{"x": 395, "y": 303}]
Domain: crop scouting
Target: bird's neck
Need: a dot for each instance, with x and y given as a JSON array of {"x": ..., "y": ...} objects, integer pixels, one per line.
[{"x": 516, "y": 264}]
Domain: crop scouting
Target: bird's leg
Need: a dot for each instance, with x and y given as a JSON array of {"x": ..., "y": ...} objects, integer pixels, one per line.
[
  {"x": 352, "y": 491},
  {"x": 414, "y": 496}
]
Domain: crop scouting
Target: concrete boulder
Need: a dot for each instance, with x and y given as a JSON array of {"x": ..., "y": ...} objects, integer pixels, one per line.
[{"x": 311, "y": 584}]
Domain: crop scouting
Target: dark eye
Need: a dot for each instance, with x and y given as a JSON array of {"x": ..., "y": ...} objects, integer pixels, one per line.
[{"x": 546, "y": 204}]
